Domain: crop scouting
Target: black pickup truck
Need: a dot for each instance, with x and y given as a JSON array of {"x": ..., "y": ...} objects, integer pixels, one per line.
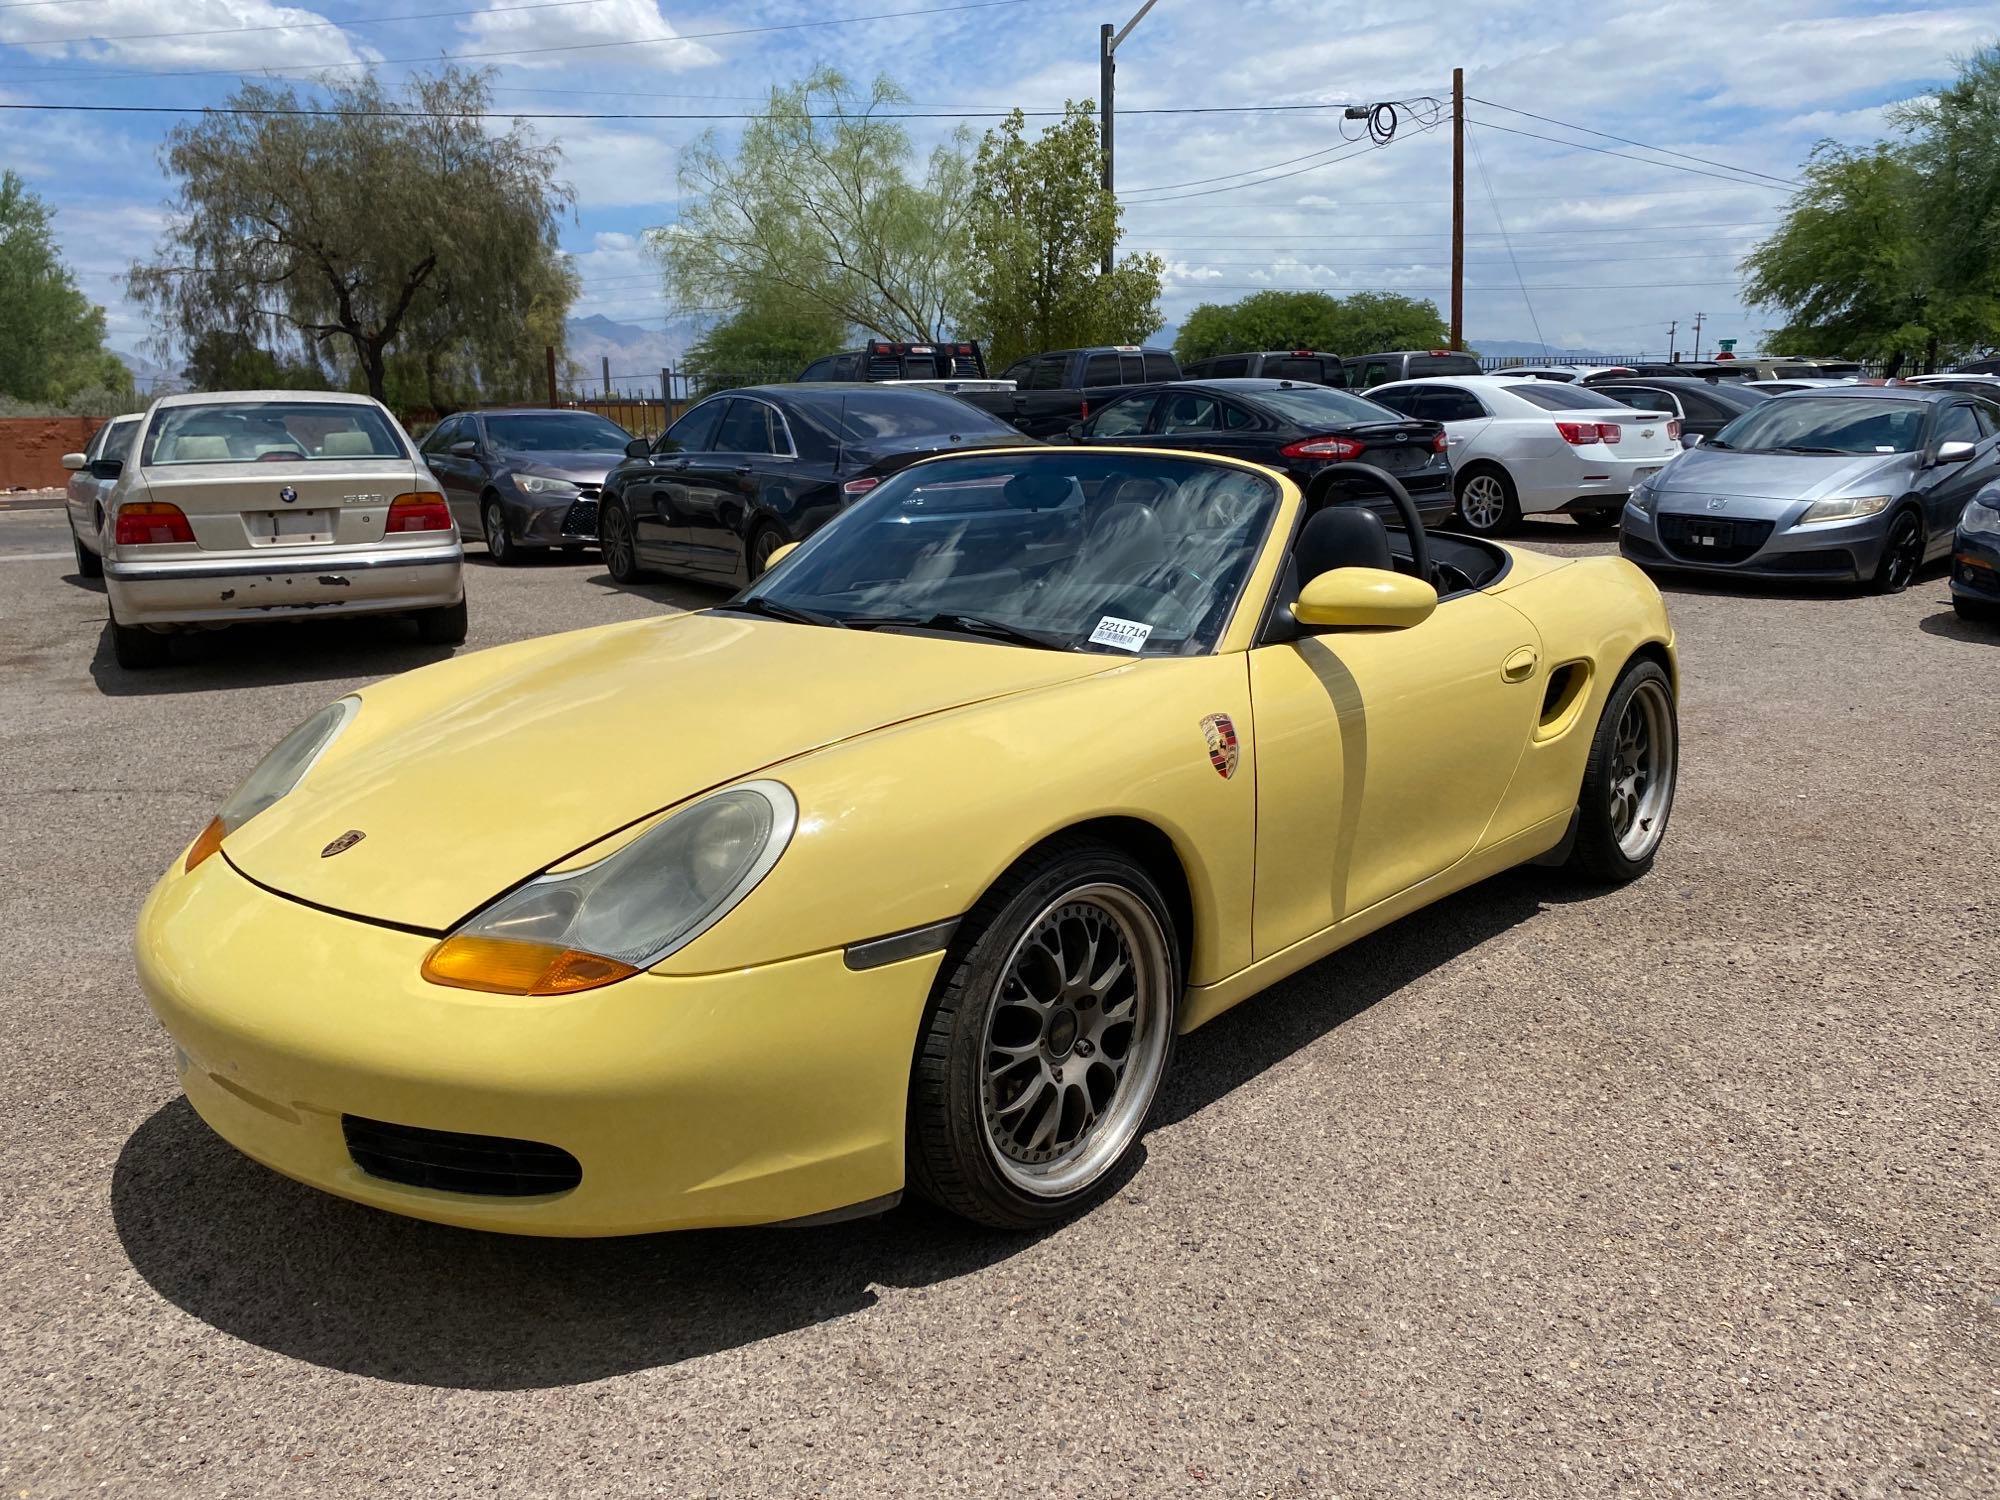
[{"x": 1053, "y": 390}]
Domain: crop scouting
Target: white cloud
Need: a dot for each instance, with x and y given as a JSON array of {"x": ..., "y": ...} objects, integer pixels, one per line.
[
  {"x": 123, "y": 31},
  {"x": 581, "y": 26}
]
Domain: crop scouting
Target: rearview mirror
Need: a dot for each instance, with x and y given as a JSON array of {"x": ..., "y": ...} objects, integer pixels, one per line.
[
  {"x": 637, "y": 448},
  {"x": 74, "y": 461},
  {"x": 107, "y": 468},
  {"x": 1365, "y": 598},
  {"x": 779, "y": 554},
  {"x": 464, "y": 448},
  {"x": 1953, "y": 453}
]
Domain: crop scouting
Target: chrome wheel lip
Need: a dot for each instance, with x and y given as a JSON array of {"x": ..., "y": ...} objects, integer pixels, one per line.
[
  {"x": 1483, "y": 502},
  {"x": 1643, "y": 766},
  {"x": 1104, "y": 1140}
]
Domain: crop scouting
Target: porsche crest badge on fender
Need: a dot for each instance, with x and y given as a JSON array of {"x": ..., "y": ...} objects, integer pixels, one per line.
[
  {"x": 342, "y": 844},
  {"x": 1223, "y": 752}
]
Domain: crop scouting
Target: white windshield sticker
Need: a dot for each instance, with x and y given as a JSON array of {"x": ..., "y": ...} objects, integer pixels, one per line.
[{"x": 1126, "y": 635}]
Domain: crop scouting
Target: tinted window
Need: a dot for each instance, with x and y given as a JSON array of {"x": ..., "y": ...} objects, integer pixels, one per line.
[
  {"x": 1402, "y": 401},
  {"x": 1133, "y": 368},
  {"x": 113, "y": 439},
  {"x": 443, "y": 435},
  {"x": 1440, "y": 364},
  {"x": 1294, "y": 368},
  {"x": 1986, "y": 414},
  {"x": 1232, "y": 368},
  {"x": 1161, "y": 367},
  {"x": 748, "y": 428},
  {"x": 1019, "y": 371},
  {"x": 1235, "y": 417},
  {"x": 1123, "y": 417},
  {"x": 694, "y": 432},
  {"x": 874, "y": 418},
  {"x": 1376, "y": 371},
  {"x": 1827, "y": 424},
  {"x": 1102, "y": 369},
  {"x": 1047, "y": 374},
  {"x": 1190, "y": 412},
  {"x": 820, "y": 369},
  {"x": 1552, "y": 397},
  {"x": 263, "y": 431},
  {"x": 1642, "y": 397},
  {"x": 1448, "y": 403},
  {"x": 556, "y": 432},
  {"x": 1958, "y": 425},
  {"x": 1318, "y": 406}
]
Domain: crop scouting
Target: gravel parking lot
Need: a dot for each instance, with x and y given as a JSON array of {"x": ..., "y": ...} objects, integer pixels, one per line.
[{"x": 1685, "y": 1189}]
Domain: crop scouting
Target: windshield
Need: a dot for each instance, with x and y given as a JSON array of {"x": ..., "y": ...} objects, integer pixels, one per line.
[
  {"x": 1078, "y": 551},
  {"x": 1321, "y": 406},
  {"x": 556, "y": 432},
  {"x": 1826, "y": 424},
  {"x": 223, "y": 432}
]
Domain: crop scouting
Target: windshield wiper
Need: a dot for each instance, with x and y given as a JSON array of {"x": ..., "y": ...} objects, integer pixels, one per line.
[
  {"x": 757, "y": 604},
  {"x": 1831, "y": 452},
  {"x": 999, "y": 630},
  {"x": 1718, "y": 443}
]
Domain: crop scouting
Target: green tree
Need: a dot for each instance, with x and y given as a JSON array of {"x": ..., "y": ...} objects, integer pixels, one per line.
[
  {"x": 1954, "y": 150},
  {"x": 222, "y": 360},
  {"x": 51, "y": 337},
  {"x": 817, "y": 208},
  {"x": 358, "y": 227},
  {"x": 1041, "y": 227},
  {"x": 770, "y": 338},
  {"x": 1362, "y": 323}
]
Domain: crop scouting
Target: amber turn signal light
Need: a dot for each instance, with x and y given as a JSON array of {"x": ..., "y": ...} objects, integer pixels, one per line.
[
  {"x": 508, "y": 966},
  {"x": 207, "y": 842}
]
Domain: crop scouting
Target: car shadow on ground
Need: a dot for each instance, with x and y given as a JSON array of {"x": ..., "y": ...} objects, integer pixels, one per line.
[
  {"x": 290, "y": 1269},
  {"x": 1948, "y": 623},
  {"x": 209, "y": 661},
  {"x": 88, "y": 585}
]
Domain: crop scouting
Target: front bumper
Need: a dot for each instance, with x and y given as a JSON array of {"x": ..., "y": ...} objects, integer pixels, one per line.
[
  {"x": 748, "y": 1097},
  {"x": 1839, "y": 552},
  {"x": 196, "y": 588},
  {"x": 1975, "y": 567},
  {"x": 554, "y": 521}
]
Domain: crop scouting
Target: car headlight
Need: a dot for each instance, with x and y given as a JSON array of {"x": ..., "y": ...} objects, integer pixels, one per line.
[
  {"x": 275, "y": 775},
  {"x": 577, "y": 929},
  {"x": 1843, "y": 508},
  {"x": 541, "y": 484},
  {"x": 1982, "y": 517},
  {"x": 1642, "y": 496}
]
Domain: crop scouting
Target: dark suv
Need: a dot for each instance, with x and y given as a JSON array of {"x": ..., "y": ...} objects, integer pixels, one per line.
[
  {"x": 1309, "y": 365},
  {"x": 1366, "y": 371}
]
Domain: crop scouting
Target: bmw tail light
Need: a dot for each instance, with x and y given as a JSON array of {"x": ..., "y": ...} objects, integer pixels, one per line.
[
  {"x": 148, "y": 521},
  {"x": 1324, "y": 447},
  {"x": 425, "y": 511}
]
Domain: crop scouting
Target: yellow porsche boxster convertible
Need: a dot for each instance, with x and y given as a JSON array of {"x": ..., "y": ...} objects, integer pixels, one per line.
[{"x": 905, "y": 866}]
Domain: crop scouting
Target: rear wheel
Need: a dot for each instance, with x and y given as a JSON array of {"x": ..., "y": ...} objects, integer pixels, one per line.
[
  {"x": 1049, "y": 1031},
  {"x": 88, "y": 563},
  {"x": 136, "y": 649},
  {"x": 614, "y": 536},
  {"x": 500, "y": 544},
  {"x": 1902, "y": 555},
  {"x": 763, "y": 542},
  {"x": 1975, "y": 610},
  {"x": 1487, "y": 505},
  {"x": 1628, "y": 783},
  {"x": 443, "y": 627}
]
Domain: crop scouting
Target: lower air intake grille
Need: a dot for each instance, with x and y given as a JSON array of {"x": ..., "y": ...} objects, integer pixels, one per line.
[
  {"x": 1700, "y": 539},
  {"x": 450, "y": 1162},
  {"x": 581, "y": 517}
]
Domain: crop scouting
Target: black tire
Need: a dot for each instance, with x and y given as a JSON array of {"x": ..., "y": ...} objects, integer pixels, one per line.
[
  {"x": 136, "y": 649},
  {"x": 952, "y": 1160},
  {"x": 765, "y": 540},
  {"x": 1902, "y": 554},
  {"x": 1601, "y": 850},
  {"x": 1975, "y": 610},
  {"x": 500, "y": 543},
  {"x": 444, "y": 626},
  {"x": 614, "y": 537},
  {"x": 1497, "y": 509},
  {"x": 1594, "y": 520},
  {"x": 88, "y": 563}
]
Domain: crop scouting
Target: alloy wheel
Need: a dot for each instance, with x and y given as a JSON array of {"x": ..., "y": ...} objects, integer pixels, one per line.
[
  {"x": 498, "y": 545},
  {"x": 1483, "y": 502},
  {"x": 615, "y": 537},
  {"x": 1076, "y": 1039},
  {"x": 1904, "y": 556},
  {"x": 1642, "y": 771}
]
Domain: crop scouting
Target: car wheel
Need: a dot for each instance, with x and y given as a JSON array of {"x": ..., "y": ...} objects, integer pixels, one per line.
[
  {"x": 1976, "y": 611},
  {"x": 614, "y": 537},
  {"x": 444, "y": 626},
  {"x": 1486, "y": 502},
  {"x": 1902, "y": 555},
  {"x": 500, "y": 544},
  {"x": 1594, "y": 520},
  {"x": 765, "y": 540},
  {"x": 1050, "y": 1028},
  {"x": 1628, "y": 783},
  {"x": 135, "y": 648},
  {"x": 88, "y": 563}
]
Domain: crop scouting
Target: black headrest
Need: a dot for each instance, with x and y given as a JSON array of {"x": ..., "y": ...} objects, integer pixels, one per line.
[{"x": 1342, "y": 536}]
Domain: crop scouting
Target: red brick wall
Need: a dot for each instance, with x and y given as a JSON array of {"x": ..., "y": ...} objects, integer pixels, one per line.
[{"x": 31, "y": 449}]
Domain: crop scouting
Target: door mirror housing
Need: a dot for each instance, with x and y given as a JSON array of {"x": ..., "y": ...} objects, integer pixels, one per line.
[
  {"x": 107, "y": 468},
  {"x": 464, "y": 448},
  {"x": 779, "y": 554},
  {"x": 1953, "y": 453},
  {"x": 637, "y": 448},
  {"x": 1075, "y": 431},
  {"x": 1364, "y": 599},
  {"x": 75, "y": 461},
  {"x": 1690, "y": 440}
]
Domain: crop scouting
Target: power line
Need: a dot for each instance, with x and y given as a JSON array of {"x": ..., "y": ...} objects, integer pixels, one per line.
[
  {"x": 1522, "y": 281},
  {"x": 1628, "y": 141},
  {"x": 1356, "y": 150},
  {"x": 1649, "y": 231},
  {"x": 1335, "y": 151},
  {"x": 1769, "y": 187},
  {"x": 469, "y": 114},
  {"x": 1161, "y": 187}
]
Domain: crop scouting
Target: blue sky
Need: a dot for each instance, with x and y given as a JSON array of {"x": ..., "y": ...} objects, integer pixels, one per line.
[{"x": 1610, "y": 249}]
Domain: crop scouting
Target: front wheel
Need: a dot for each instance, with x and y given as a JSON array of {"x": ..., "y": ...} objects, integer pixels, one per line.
[
  {"x": 500, "y": 544},
  {"x": 1902, "y": 555},
  {"x": 1050, "y": 1028},
  {"x": 614, "y": 537},
  {"x": 763, "y": 543},
  {"x": 1487, "y": 505},
  {"x": 1628, "y": 782}
]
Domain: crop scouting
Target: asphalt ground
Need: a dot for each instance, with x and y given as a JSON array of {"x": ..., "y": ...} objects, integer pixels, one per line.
[{"x": 1683, "y": 1189}]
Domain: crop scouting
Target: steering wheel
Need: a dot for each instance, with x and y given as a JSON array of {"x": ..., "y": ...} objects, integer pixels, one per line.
[{"x": 1406, "y": 508}]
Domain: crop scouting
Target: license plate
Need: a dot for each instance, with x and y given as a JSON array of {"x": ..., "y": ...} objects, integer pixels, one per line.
[
  {"x": 1639, "y": 474},
  {"x": 270, "y": 528},
  {"x": 1710, "y": 533}
]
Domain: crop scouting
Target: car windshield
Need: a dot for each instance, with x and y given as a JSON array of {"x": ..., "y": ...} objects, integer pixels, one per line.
[
  {"x": 1552, "y": 397},
  {"x": 556, "y": 432},
  {"x": 1322, "y": 406},
  {"x": 222, "y": 432},
  {"x": 1826, "y": 424},
  {"x": 1067, "y": 549},
  {"x": 872, "y": 418}
]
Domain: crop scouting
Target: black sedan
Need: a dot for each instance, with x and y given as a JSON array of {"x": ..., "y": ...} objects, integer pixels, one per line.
[
  {"x": 746, "y": 471},
  {"x": 1287, "y": 425},
  {"x": 1704, "y": 407},
  {"x": 524, "y": 480}
]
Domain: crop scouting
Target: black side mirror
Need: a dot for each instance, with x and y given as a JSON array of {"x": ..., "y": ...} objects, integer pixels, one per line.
[
  {"x": 106, "y": 468},
  {"x": 637, "y": 448},
  {"x": 464, "y": 448},
  {"x": 1075, "y": 431}
]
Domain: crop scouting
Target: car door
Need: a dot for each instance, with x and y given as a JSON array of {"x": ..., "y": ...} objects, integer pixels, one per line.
[
  {"x": 720, "y": 485},
  {"x": 654, "y": 495},
  {"x": 453, "y": 472},
  {"x": 1382, "y": 757},
  {"x": 1951, "y": 487},
  {"x": 1463, "y": 415}
]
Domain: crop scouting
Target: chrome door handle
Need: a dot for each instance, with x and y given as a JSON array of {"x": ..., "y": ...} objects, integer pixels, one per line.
[{"x": 1521, "y": 665}]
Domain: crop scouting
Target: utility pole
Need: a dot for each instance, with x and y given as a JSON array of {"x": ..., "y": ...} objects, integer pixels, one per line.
[
  {"x": 1458, "y": 208},
  {"x": 1107, "y": 44},
  {"x": 1697, "y": 336},
  {"x": 1672, "y": 329}
]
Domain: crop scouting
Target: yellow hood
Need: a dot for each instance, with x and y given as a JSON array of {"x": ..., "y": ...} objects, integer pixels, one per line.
[{"x": 468, "y": 777}]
